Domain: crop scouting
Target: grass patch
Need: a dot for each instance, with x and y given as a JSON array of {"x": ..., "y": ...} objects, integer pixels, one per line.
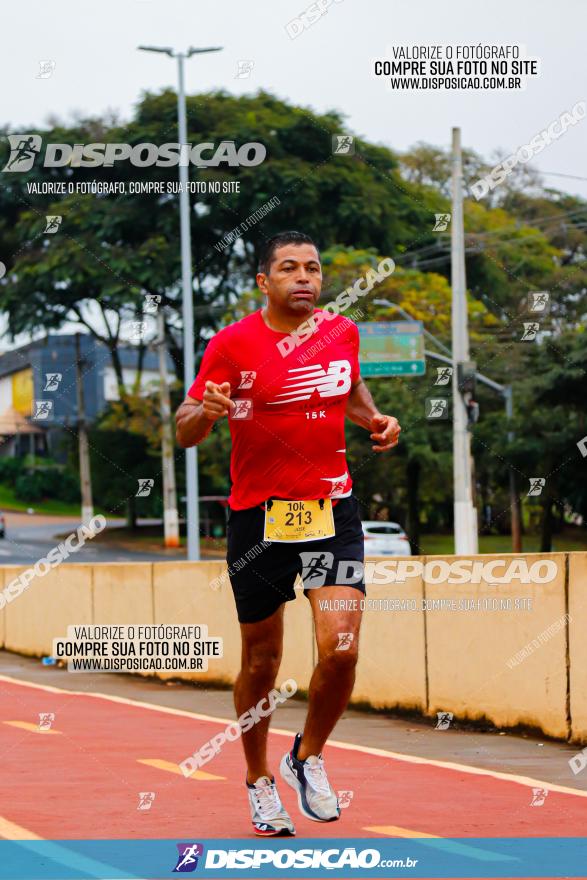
[{"x": 8, "y": 501}]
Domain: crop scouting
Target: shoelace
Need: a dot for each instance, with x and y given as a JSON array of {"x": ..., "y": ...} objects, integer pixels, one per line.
[
  {"x": 316, "y": 776},
  {"x": 267, "y": 801}
]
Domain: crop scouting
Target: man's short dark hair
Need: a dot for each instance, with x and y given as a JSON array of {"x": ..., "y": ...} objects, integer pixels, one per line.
[{"x": 280, "y": 240}]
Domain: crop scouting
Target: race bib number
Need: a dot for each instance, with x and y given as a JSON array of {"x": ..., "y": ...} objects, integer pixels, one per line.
[{"x": 287, "y": 521}]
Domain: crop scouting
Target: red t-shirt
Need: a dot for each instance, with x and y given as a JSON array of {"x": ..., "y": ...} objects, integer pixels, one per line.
[{"x": 288, "y": 428}]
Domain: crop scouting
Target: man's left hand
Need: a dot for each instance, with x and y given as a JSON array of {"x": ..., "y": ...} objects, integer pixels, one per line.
[{"x": 386, "y": 431}]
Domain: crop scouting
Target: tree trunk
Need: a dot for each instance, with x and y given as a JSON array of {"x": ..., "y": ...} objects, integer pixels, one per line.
[
  {"x": 117, "y": 365},
  {"x": 413, "y": 524},
  {"x": 131, "y": 513},
  {"x": 546, "y": 526}
]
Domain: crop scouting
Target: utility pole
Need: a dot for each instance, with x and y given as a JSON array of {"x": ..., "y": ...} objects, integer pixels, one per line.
[
  {"x": 465, "y": 514},
  {"x": 170, "y": 519},
  {"x": 82, "y": 439},
  {"x": 191, "y": 460},
  {"x": 516, "y": 518}
]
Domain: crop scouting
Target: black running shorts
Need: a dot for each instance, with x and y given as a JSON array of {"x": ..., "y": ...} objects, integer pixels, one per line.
[{"x": 263, "y": 574}]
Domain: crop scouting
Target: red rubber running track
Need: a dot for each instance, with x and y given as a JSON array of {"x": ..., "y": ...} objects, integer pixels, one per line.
[{"x": 82, "y": 780}]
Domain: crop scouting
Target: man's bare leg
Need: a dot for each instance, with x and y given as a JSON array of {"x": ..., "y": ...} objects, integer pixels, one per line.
[
  {"x": 262, "y": 645},
  {"x": 334, "y": 676}
]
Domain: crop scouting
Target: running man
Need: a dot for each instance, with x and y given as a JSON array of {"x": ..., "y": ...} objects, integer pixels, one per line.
[{"x": 291, "y": 495}]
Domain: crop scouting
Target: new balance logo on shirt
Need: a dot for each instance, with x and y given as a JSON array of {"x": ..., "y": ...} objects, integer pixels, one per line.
[{"x": 333, "y": 382}]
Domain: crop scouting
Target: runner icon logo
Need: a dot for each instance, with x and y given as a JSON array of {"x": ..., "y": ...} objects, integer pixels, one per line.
[
  {"x": 441, "y": 222},
  {"x": 187, "y": 861},
  {"x": 247, "y": 378},
  {"x": 146, "y": 799},
  {"x": 315, "y": 567},
  {"x": 345, "y": 641},
  {"x": 24, "y": 149},
  {"x": 46, "y": 719},
  {"x": 344, "y": 799},
  {"x": 539, "y": 795},
  {"x": 444, "y": 719},
  {"x": 243, "y": 409}
]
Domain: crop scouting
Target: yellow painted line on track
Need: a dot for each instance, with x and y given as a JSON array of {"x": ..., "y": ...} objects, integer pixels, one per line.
[
  {"x": 170, "y": 767},
  {"x": 33, "y": 728},
  {"x": 396, "y": 831},
  {"x": 11, "y": 831},
  {"x": 444, "y": 844},
  {"x": 351, "y": 747}
]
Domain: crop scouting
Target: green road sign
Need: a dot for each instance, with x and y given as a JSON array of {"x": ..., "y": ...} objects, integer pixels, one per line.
[{"x": 392, "y": 348}]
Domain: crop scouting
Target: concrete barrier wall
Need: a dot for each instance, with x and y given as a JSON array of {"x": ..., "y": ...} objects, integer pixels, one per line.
[
  {"x": 578, "y": 645},
  {"x": 473, "y": 667},
  {"x": 509, "y": 665}
]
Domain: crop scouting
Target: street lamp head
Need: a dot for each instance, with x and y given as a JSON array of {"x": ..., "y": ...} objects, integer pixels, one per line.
[
  {"x": 191, "y": 51},
  {"x": 165, "y": 50}
]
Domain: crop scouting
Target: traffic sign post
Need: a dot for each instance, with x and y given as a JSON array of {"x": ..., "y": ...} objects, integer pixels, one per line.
[{"x": 392, "y": 348}]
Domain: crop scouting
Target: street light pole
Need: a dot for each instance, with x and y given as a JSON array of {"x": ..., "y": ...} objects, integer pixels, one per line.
[
  {"x": 191, "y": 459},
  {"x": 465, "y": 515}
]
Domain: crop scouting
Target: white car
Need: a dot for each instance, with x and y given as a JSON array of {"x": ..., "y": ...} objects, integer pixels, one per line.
[{"x": 385, "y": 539}]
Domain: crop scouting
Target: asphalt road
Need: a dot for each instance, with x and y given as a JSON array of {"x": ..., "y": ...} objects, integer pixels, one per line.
[{"x": 30, "y": 537}]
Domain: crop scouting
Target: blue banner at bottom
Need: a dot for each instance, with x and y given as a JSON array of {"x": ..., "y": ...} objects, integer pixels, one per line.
[{"x": 551, "y": 857}]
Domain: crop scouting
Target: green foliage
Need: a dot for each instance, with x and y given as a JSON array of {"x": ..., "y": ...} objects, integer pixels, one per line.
[{"x": 47, "y": 483}]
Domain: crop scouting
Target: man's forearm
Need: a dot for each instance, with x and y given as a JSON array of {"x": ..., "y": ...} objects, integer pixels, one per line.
[
  {"x": 192, "y": 425},
  {"x": 360, "y": 407}
]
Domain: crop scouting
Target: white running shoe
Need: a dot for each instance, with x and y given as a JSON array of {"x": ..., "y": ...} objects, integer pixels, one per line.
[
  {"x": 308, "y": 778},
  {"x": 269, "y": 817}
]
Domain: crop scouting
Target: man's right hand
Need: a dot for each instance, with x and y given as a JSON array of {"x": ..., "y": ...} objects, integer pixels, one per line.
[{"x": 216, "y": 401}]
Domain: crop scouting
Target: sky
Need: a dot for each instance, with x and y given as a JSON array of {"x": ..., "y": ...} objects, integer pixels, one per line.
[{"x": 329, "y": 65}]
